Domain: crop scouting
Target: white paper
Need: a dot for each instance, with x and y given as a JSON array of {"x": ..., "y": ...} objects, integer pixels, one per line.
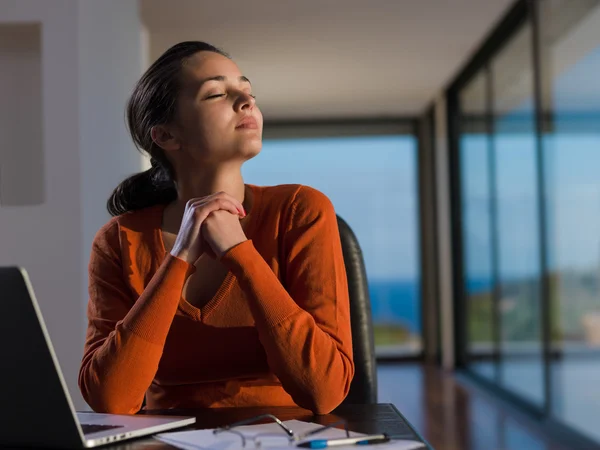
[{"x": 206, "y": 439}]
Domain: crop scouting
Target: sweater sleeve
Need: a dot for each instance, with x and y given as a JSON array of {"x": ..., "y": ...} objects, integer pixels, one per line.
[
  {"x": 305, "y": 329},
  {"x": 125, "y": 335}
]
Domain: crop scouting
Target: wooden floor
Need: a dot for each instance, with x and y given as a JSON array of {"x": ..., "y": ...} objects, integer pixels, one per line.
[{"x": 455, "y": 415}]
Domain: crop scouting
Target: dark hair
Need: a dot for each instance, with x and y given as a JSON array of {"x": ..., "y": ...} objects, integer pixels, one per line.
[{"x": 154, "y": 102}]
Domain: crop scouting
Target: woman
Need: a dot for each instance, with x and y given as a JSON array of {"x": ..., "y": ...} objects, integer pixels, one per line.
[{"x": 205, "y": 291}]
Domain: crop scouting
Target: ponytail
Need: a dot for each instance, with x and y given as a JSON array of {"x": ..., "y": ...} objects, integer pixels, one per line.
[{"x": 142, "y": 190}]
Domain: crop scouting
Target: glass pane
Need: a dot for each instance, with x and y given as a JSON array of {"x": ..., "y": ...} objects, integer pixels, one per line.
[
  {"x": 517, "y": 437},
  {"x": 515, "y": 161},
  {"x": 476, "y": 208},
  {"x": 496, "y": 428},
  {"x": 485, "y": 425},
  {"x": 570, "y": 38},
  {"x": 371, "y": 181}
]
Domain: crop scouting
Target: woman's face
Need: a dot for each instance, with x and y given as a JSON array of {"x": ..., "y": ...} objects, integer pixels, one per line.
[{"x": 217, "y": 118}]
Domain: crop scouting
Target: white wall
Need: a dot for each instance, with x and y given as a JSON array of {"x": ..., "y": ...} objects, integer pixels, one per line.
[
  {"x": 91, "y": 56},
  {"x": 110, "y": 62}
]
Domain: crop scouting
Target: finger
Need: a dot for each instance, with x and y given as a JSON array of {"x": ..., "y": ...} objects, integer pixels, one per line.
[
  {"x": 218, "y": 196},
  {"x": 202, "y": 212},
  {"x": 232, "y": 199},
  {"x": 224, "y": 204},
  {"x": 222, "y": 200}
]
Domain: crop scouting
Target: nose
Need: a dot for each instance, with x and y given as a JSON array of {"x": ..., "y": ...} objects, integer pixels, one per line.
[{"x": 245, "y": 101}]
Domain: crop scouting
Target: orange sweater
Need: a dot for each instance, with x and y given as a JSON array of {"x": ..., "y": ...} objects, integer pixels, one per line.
[{"x": 276, "y": 333}]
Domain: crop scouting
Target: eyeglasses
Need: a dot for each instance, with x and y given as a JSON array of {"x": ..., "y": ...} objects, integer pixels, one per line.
[{"x": 286, "y": 437}]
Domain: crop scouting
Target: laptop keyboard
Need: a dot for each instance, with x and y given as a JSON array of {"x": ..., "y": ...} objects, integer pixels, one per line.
[{"x": 89, "y": 428}]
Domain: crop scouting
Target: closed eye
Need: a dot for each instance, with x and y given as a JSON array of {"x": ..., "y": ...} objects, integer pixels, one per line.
[{"x": 222, "y": 95}]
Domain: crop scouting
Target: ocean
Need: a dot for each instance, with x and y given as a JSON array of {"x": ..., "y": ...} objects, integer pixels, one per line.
[{"x": 398, "y": 302}]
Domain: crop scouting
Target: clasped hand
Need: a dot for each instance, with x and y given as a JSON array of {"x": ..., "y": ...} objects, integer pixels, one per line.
[{"x": 210, "y": 225}]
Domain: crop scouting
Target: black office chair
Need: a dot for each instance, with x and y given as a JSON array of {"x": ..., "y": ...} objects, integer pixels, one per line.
[{"x": 363, "y": 389}]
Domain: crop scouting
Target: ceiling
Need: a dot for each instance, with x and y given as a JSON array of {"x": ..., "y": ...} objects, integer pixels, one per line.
[{"x": 316, "y": 59}]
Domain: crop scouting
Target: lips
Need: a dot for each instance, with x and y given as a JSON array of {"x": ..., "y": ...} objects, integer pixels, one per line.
[{"x": 248, "y": 122}]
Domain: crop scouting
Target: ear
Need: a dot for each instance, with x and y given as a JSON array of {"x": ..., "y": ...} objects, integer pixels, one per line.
[{"x": 164, "y": 138}]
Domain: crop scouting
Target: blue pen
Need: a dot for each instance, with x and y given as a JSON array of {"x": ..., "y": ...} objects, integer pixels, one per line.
[{"x": 359, "y": 440}]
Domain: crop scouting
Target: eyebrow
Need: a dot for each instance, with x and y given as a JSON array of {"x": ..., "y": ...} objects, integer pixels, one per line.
[{"x": 242, "y": 78}]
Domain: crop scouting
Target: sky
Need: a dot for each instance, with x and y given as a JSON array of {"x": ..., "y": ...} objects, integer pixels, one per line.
[
  {"x": 571, "y": 162},
  {"x": 371, "y": 181},
  {"x": 372, "y": 184}
]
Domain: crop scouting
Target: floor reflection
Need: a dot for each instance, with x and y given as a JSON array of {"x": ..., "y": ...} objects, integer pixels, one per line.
[
  {"x": 575, "y": 396},
  {"x": 453, "y": 417}
]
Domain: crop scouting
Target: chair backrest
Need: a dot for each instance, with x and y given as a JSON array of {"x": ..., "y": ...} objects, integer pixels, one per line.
[{"x": 363, "y": 389}]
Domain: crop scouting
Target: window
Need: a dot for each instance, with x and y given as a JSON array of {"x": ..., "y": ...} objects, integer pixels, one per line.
[
  {"x": 478, "y": 256},
  {"x": 570, "y": 50},
  {"x": 517, "y": 220},
  {"x": 371, "y": 181},
  {"x": 526, "y": 154},
  {"x": 501, "y": 232}
]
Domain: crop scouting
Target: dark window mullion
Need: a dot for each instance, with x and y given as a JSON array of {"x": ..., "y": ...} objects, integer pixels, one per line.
[
  {"x": 494, "y": 228},
  {"x": 544, "y": 295},
  {"x": 461, "y": 309}
]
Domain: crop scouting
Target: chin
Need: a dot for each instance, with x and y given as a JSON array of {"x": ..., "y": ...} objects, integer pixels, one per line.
[
  {"x": 251, "y": 152},
  {"x": 251, "y": 148}
]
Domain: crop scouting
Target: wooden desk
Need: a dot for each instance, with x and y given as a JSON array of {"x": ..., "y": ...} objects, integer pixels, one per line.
[{"x": 372, "y": 419}]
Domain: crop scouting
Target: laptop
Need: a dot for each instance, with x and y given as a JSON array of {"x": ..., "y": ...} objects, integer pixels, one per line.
[{"x": 36, "y": 408}]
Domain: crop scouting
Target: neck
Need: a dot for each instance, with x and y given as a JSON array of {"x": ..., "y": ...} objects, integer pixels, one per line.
[{"x": 201, "y": 183}]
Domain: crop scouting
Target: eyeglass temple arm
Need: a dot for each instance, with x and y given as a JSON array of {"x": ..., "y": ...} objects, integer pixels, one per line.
[
  {"x": 237, "y": 433},
  {"x": 288, "y": 431}
]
